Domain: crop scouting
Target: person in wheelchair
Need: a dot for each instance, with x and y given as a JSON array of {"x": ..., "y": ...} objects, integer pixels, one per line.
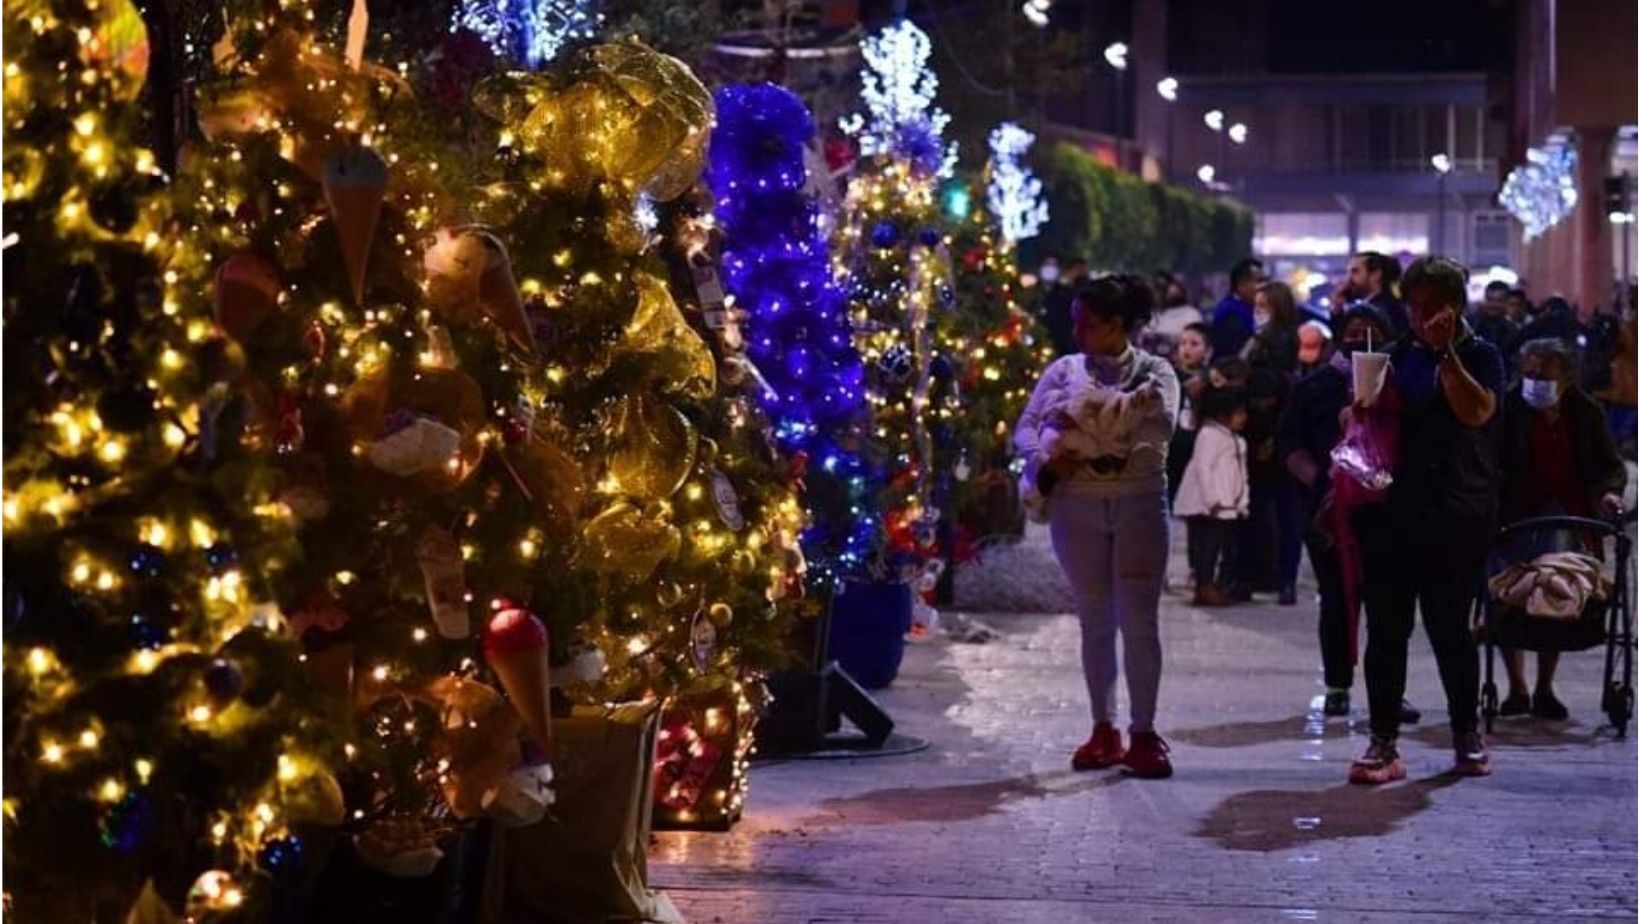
[{"x": 1558, "y": 460}]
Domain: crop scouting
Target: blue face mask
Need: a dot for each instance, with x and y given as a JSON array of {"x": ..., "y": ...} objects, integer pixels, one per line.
[{"x": 1540, "y": 393}]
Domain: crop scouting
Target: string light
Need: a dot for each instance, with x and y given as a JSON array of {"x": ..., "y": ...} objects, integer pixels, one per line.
[
  {"x": 1013, "y": 192},
  {"x": 897, "y": 89}
]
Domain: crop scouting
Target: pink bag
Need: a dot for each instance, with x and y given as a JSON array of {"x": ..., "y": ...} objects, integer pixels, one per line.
[{"x": 1363, "y": 467}]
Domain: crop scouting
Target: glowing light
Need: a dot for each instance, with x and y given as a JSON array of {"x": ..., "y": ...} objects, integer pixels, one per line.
[
  {"x": 52, "y": 753},
  {"x": 1036, "y": 11},
  {"x": 1214, "y": 119},
  {"x": 1205, "y": 173},
  {"x": 1238, "y": 133},
  {"x": 897, "y": 88},
  {"x": 531, "y": 31},
  {"x": 1014, "y": 193},
  {"x": 1168, "y": 88},
  {"x": 1542, "y": 192},
  {"x": 1116, "y": 55}
]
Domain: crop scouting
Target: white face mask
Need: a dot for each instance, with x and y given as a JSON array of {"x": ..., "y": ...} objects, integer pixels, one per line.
[
  {"x": 1049, "y": 273},
  {"x": 1540, "y": 393},
  {"x": 1260, "y": 319}
]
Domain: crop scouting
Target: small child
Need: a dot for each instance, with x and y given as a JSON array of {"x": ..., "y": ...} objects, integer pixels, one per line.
[
  {"x": 1213, "y": 496},
  {"x": 1190, "y": 359}
]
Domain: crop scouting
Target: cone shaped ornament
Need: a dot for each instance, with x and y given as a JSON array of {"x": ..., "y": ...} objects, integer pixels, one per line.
[
  {"x": 515, "y": 645},
  {"x": 355, "y": 184}
]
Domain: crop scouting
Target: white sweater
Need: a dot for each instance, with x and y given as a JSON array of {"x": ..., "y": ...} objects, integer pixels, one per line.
[
  {"x": 1145, "y": 435},
  {"x": 1215, "y": 481}
]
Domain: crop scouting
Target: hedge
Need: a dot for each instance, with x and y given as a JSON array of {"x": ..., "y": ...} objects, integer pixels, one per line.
[{"x": 1119, "y": 222}]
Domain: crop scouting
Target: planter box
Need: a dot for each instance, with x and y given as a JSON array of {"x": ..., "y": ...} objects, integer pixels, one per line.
[{"x": 868, "y": 627}]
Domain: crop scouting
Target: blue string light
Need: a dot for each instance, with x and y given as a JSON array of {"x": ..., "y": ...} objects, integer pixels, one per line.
[
  {"x": 1013, "y": 192},
  {"x": 531, "y": 31},
  {"x": 1542, "y": 192},
  {"x": 897, "y": 88},
  {"x": 777, "y": 266}
]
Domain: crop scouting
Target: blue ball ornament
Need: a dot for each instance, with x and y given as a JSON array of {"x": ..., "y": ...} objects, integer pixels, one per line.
[
  {"x": 281, "y": 855},
  {"x": 885, "y": 234},
  {"x": 947, "y": 297},
  {"x": 147, "y": 561},
  {"x": 128, "y": 824},
  {"x": 930, "y": 237},
  {"x": 224, "y": 681},
  {"x": 221, "y": 556},
  {"x": 147, "y": 634}
]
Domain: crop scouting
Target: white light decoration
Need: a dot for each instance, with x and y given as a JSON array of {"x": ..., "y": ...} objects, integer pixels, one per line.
[
  {"x": 1238, "y": 133},
  {"x": 1441, "y": 163},
  {"x": 1116, "y": 55},
  {"x": 1014, "y": 193},
  {"x": 1542, "y": 192},
  {"x": 531, "y": 31},
  {"x": 897, "y": 88},
  {"x": 1205, "y": 173},
  {"x": 1214, "y": 119},
  {"x": 1168, "y": 88},
  {"x": 1037, "y": 12}
]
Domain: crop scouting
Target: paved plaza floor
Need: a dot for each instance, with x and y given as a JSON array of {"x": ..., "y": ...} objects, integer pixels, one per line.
[{"x": 991, "y": 825}]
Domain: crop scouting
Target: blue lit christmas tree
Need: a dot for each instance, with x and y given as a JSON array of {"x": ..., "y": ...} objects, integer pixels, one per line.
[{"x": 777, "y": 266}]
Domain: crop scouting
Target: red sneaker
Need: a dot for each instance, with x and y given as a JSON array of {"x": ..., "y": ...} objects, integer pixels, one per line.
[
  {"x": 1103, "y": 749},
  {"x": 1147, "y": 757}
]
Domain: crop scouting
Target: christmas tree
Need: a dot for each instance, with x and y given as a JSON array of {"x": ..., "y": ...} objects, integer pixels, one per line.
[
  {"x": 683, "y": 568},
  {"x": 798, "y": 335},
  {"x": 894, "y": 251},
  {"x": 159, "y": 729},
  {"x": 994, "y": 343},
  {"x": 381, "y": 340}
]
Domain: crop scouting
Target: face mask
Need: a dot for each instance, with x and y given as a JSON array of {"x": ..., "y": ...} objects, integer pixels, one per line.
[
  {"x": 1540, "y": 393},
  {"x": 1049, "y": 273},
  {"x": 1260, "y": 319}
]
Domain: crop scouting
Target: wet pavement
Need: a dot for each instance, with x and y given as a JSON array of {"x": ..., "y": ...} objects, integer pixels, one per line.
[{"x": 990, "y": 825}]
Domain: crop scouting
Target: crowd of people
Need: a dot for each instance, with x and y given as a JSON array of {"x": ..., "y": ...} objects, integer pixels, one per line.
[{"x": 1491, "y": 413}]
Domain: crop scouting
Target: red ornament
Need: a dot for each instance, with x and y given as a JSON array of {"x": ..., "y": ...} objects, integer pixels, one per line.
[
  {"x": 515, "y": 431},
  {"x": 799, "y": 465},
  {"x": 515, "y": 645}
]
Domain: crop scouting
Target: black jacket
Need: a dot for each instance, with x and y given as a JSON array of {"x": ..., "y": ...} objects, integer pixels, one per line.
[{"x": 1599, "y": 468}]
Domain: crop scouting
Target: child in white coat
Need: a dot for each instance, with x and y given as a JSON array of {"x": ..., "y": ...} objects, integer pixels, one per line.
[{"x": 1213, "y": 495}]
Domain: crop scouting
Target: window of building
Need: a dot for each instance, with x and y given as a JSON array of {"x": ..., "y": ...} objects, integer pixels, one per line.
[
  {"x": 1394, "y": 232},
  {"x": 1302, "y": 234},
  {"x": 1491, "y": 239}
]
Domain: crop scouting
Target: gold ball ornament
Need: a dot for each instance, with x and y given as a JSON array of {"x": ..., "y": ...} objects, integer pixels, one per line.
[
  {"x": 653, "y": 447},
  {"x": 314, "y": 799},
  {"x": 628, "y": 542}
]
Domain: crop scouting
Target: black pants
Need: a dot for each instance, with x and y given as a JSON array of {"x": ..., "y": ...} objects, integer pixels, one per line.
[
  {"x": 1209, "y": 542},
  {"x": 1336, "y": 666},
  {"x": 1431, "y": 566}
]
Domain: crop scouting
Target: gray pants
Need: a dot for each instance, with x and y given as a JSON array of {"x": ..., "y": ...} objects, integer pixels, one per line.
[{"x": 1114, "y": 553}]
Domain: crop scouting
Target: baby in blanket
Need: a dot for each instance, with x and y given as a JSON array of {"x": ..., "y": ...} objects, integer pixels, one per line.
[{"x": 1086, "y": 422}]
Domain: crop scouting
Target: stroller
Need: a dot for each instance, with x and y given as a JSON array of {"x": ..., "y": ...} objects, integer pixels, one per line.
[{"x": 1608, "y": 621}]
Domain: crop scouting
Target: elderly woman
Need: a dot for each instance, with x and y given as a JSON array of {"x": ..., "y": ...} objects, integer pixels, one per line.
[
  {"x": 1558, "y": 459},
  {"x": 1108, "y": 515}
]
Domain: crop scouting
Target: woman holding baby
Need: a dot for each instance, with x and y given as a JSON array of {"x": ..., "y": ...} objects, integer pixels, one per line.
[{"x": 1094, "y": 438}]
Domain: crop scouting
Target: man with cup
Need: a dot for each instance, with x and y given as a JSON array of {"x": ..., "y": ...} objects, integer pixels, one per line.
[{"x": 1423, "y": 549}]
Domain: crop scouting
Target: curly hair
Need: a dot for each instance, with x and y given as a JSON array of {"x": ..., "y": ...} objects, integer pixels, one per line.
[{"x": 1126, "y": 297}]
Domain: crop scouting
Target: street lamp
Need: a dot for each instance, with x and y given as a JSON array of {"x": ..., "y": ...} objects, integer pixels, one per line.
[
  {"x": 1168, "y": 88},
  {"x": 1116, "y": 55},
  {"x": 1238, "y": 133},
  {"x": 1443, "y": 166}
]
